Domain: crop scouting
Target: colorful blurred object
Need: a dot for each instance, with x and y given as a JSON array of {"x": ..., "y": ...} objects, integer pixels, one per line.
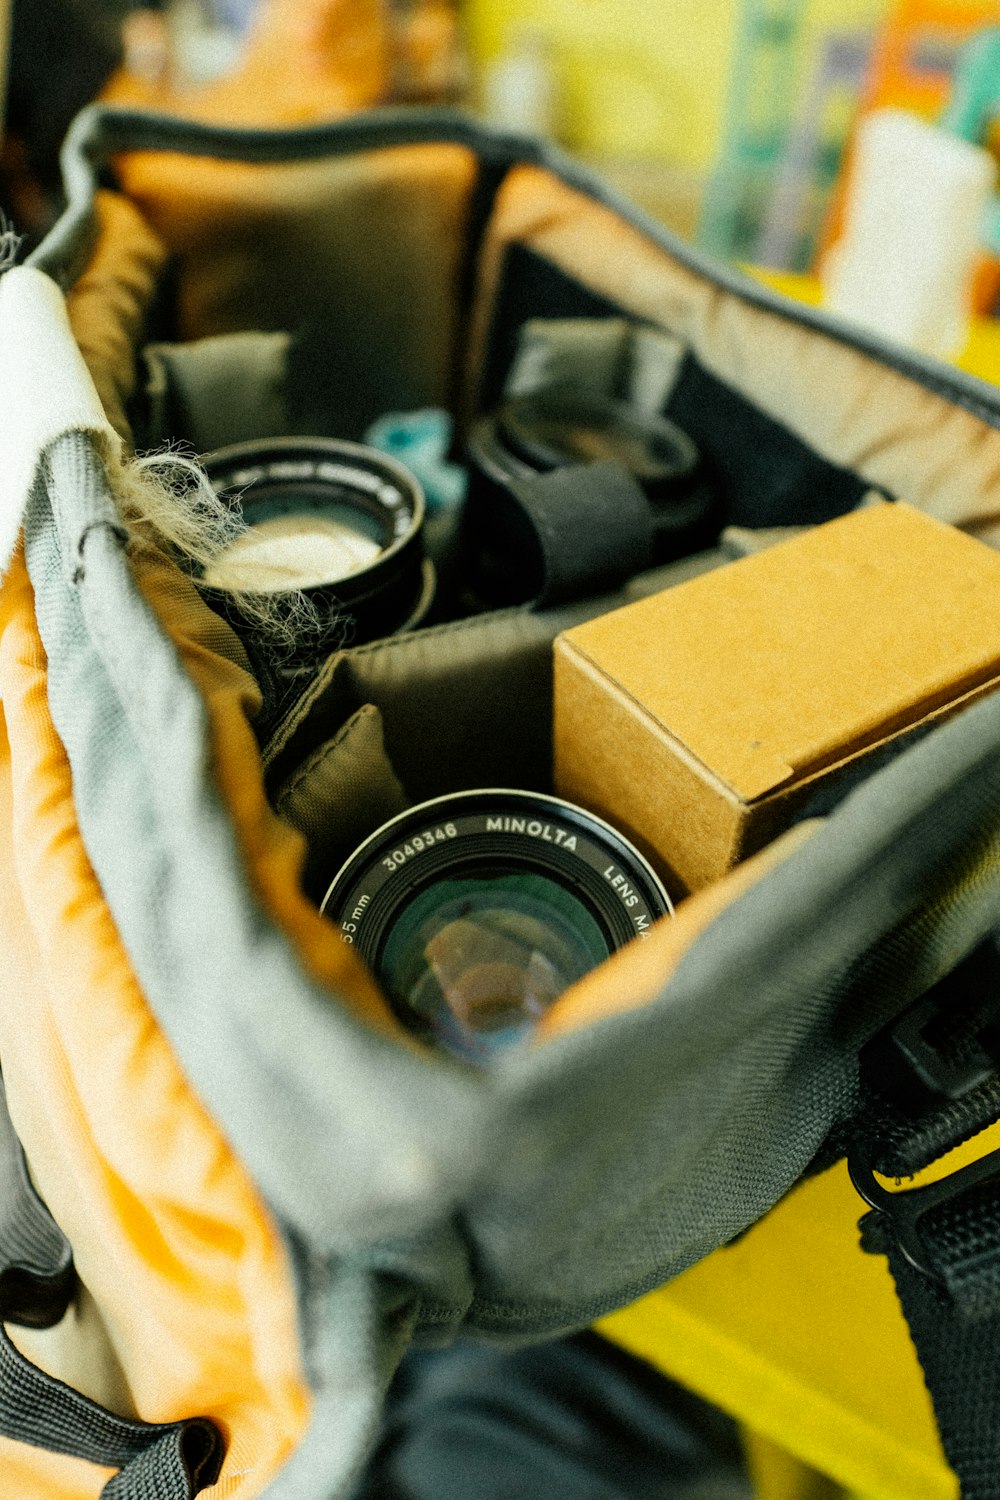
[
  {"x": 915, "y": 65},
  {"x": 974, "y": 101},
  {"x": 810, "y": 162},
  {"x": 643, "y": 83},
  {"x": 288, "y": 62},
  {"x": 916, "y": 52},
  {"x": 303, "y": 60},
  {"x": 430, "y": 61},
  {"x": 758, "y": 120},
  {"x": 971, "y": 113},
  {"x": 913, "y": 217},
  {"x": 796, "y": 75}
]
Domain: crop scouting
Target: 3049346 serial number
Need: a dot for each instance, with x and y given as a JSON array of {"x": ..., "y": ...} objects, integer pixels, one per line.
[{"x": 418, "y": 844}]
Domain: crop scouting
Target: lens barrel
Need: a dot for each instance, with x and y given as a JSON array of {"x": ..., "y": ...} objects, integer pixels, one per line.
[
  {"x": 553, "y": 427},
  {"x": 347, "y": 520},
  {"x": 476, "y": 910},
  {"x": 522, "y": 526}
]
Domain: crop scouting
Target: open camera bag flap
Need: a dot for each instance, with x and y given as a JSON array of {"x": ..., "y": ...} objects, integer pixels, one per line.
[{"x": 269, "y": 1190}]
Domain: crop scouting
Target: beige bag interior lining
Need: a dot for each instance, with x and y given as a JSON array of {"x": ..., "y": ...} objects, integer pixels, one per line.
[
  {"x": 366, "y": 252},
  {"x": 370, "y": 249},
  {"x": 898, "y": 436}
]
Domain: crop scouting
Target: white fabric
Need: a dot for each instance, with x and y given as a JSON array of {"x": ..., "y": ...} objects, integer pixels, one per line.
[{"x": 46, "y": 390}]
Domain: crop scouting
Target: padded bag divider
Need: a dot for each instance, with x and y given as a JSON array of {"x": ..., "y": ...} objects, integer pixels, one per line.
[
  {"x": 413, "y": 1196},
  {"x": 367, "y": 248}
]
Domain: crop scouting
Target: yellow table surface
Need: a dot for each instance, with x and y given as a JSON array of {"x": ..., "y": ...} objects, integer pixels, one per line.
[
  {"x": 793, "y": 1330},
  {"x": 797, "y": 1333}
]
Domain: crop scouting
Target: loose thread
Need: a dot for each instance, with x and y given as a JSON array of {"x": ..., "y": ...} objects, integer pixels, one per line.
[{"x": 168, "y": 498}]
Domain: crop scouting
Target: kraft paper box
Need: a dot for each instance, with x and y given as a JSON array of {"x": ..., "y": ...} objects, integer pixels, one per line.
[{"x": 704, "y": 720}]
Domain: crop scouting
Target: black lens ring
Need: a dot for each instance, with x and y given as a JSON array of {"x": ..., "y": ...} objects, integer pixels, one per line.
[
  {"x": 478, "y": 854},
  {"x": 530, "y": 831},
  {"x": 509, "y": 550},
  {"x": 380, "y": 598},
  {"x": 517, "y": 431}
]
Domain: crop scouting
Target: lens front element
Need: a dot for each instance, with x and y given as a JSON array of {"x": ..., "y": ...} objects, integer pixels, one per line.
[
  {"x": 477, "y": 961},
  {"x": 335, "y": 521}
]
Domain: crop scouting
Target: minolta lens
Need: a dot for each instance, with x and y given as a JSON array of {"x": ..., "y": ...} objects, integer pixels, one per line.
[{"x": 477, "y": 910}]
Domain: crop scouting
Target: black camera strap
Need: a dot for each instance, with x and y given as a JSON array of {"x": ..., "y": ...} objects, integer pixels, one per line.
[
  {"x": 929, "y": 1082},
  {"x": 952, "y": 1306},
  {"x": 549, "y": 538},
  {"x": 155, "y": 1461}
]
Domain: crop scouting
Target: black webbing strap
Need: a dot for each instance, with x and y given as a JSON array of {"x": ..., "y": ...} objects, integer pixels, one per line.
[
  {"x": 563, "y": 535},
  {"x": 951, "y": 1301},
  {"x": 170, "y": 1461},
  {"x": 930, "y": 1082},
  {"x": 593, "y": 526}
]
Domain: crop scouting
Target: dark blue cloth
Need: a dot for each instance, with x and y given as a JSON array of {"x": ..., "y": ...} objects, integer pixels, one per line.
[{"x": 574, "y": 1420}]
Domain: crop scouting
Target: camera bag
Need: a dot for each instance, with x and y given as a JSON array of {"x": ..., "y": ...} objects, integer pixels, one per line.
[{"x": 235, "y": 1189}]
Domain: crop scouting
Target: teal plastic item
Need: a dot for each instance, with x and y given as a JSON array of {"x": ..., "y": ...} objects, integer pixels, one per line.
[
  {"x": 975, "y": 90},
  {"x": 975, "y": 101},
  {"x": 420, "y": 440}
]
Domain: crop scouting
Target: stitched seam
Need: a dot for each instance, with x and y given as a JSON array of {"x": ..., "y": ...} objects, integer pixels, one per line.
[
  {"x": 451, "y": 627},
  {"x": 317, "y": 758}
]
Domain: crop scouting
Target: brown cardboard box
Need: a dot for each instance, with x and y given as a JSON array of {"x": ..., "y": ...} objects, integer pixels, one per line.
[{"x": 704, "y": 720}]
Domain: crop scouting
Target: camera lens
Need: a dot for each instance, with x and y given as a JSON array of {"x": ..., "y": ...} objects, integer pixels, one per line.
[
  {"x": 334, "y": 520},
  {"x": 550, "y": 428},
  {"x": 477, "y": 910},
  {"x": 533, "y": 536}
]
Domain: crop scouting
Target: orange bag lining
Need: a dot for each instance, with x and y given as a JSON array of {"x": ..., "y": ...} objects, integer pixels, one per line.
[
  {"x": 109, "y": 302},
  {"x": 169, "y": 1233}
]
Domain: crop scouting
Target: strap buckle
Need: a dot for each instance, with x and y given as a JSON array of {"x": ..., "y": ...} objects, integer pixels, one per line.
[
  {"x": 929, "y": 1067},
  {"x": 905, "y": 1208},
  {"x": 920, "y": 1056},
  {"x": 939, "y": 1048}
]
